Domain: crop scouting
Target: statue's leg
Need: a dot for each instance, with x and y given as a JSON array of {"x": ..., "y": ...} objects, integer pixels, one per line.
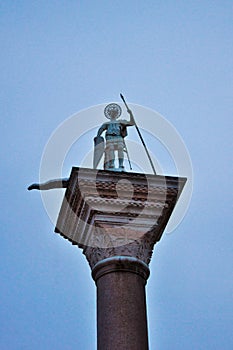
[
  {"x": 121, "y": 154},
  {"x": 110, "y": 157}
]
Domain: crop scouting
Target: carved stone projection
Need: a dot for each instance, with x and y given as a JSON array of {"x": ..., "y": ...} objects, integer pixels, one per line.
[{"x": 111, "y": 214}]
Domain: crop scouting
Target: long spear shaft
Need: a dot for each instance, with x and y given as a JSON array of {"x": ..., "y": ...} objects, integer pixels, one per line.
[
  {"x": 140, "y": 135},
  {"x": 127, "y": 153}
]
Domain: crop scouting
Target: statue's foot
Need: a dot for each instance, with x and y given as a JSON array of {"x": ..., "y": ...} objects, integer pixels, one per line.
[{"x": 34, "y": 187}]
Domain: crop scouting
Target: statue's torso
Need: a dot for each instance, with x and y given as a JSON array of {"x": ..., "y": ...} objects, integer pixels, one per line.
[{"x": 113, "y": 129}]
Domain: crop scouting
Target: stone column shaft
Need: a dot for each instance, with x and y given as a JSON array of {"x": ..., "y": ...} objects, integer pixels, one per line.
[{"x": 121, "y": 304}]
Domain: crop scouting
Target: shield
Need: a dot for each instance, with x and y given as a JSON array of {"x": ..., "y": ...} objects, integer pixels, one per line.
[{"x": 98, "y": 150}]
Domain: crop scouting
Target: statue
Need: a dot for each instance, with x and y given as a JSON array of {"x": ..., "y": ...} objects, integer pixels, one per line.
[{"x": 116, "y": 131}]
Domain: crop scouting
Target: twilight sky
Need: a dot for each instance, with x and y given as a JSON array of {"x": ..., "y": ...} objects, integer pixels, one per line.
[{"x": 60, "y": 57}]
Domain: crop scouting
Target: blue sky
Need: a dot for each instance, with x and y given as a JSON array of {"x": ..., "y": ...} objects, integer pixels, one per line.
[{"x": 59, "y": 57}]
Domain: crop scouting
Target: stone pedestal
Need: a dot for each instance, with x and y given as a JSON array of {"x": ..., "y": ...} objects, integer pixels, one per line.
[{"x": 116, "y": 218}]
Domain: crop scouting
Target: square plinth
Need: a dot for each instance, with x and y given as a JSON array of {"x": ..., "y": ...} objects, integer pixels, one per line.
[{"x": 105, "y": 209}]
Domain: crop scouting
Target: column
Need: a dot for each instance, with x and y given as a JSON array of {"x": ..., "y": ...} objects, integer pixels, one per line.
[{"x": 121, "y": 303}]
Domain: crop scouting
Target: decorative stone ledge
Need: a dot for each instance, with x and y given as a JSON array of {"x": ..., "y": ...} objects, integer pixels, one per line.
[
  {"x": 120, "y": 264},
  {"x": 117, "y": 213}
]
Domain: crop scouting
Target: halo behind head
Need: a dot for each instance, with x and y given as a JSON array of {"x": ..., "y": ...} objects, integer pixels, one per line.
[{"x": 112, "y": 107}]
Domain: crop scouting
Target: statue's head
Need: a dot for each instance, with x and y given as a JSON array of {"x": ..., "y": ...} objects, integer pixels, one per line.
[{"x": 112, "y": 111}]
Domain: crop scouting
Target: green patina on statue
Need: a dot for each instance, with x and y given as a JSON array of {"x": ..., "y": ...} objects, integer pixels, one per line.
[{"x": 115, "y": 132}]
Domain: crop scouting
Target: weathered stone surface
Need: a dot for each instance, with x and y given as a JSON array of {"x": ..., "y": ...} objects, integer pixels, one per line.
[
  {"x": 117, "y": 214},
  {"x": 121, "y": 304}
]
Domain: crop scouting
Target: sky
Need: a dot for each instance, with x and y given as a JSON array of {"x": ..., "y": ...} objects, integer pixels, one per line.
[{"x": 60, "y": 57}]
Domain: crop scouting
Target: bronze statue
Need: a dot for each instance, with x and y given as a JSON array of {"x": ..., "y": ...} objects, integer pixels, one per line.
[{"x": 116, "y": 131}]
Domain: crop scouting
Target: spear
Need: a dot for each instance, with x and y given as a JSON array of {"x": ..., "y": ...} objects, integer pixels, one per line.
[
  {"x": 140, "y": 135},
  {"x": 127, "y": 153}
]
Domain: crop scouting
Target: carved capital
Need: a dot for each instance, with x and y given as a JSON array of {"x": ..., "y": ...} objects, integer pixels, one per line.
[{"x": 117, "y": 214}]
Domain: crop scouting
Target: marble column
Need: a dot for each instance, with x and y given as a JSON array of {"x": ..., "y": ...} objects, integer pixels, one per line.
[
  {"x": 121, "y": 303},
  {"x": 116, "y": 219}
]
